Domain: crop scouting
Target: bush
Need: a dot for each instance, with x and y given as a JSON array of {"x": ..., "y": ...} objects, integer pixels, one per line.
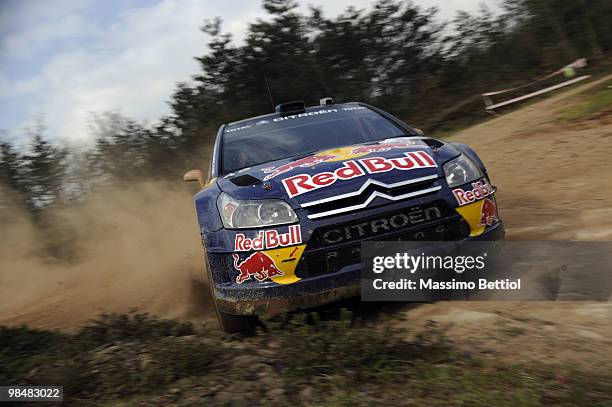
[
  {"x": 109, "y": 328},
  {"x": 334, "y": 347},
  {"x": 23, "y": 349},
  {"x": 24, "y": 341}
]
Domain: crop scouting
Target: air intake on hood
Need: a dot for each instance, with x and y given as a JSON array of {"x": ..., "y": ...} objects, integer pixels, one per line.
[
  {"x": 285, "y": 109},
  {"x": 432, "y": 142},
  {"x": 245, "y": 180}
]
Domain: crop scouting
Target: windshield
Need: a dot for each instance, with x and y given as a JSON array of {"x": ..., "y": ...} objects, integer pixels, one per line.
[{"x": 256, "y": 141}]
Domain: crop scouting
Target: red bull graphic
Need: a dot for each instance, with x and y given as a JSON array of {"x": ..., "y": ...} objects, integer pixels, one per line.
[
  {"x": 479, "y": 214},
  {"x": 268, "y": 239},
  {"x": 479, "y": 191},
  {"x": 488, "y": 213},
  {"x": 301, "y": 163},
  {"x": 375, "y": 148},
  {"x": 337, "y": 155},
  {"x": 415, "y": 159},
  {"x": 302, "y": 183},
  {"x": 259, "y": 265}
]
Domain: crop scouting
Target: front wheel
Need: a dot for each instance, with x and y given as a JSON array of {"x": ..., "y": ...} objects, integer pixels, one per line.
[
  {"x": 237, "y": 324},
  {"x": 229, "y": 323}
]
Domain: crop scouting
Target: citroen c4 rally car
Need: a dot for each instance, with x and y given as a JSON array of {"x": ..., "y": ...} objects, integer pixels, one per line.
[{"x": 291, "y": 195}]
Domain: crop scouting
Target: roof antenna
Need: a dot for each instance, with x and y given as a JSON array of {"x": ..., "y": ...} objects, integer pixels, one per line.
[{"x": 269, "y": 91}]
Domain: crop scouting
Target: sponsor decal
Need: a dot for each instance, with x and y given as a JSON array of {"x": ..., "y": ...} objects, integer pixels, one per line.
[
  {"x": 302, "y": 183},
  {"x": 339, "y": 154},
  {"x": 374, "y": 148},
  {"x": 481, "y": 189},
  {"x": 302, "y": 162},
  {"x": 479, "y": 215},
  {"x": 259, "y": 265},
  {"x": 306, "y": 114},
  {"x": 277, "y": 265},
  {"x": 268, "y": 239},
  {"x": 248, "y": 126},
  {"x": 231, "y": 129},
  {"x": 488, "y": 213},
  {"x": 413, "y": 159}
]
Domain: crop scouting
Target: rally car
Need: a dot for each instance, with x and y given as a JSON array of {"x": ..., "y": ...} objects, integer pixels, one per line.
[{"x": 291, "y": 195}]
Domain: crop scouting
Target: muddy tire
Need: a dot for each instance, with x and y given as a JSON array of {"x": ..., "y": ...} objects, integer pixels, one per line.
[
  {"x": 237, "y": 324},
  {"x": 229, "y": 323}
]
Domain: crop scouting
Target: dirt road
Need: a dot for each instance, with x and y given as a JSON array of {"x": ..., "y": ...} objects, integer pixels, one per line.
[
  {"x": 555, "y": 182},
  {"x": 554, "y": 176}
]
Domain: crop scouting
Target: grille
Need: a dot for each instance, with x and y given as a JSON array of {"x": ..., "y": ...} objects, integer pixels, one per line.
[
  {"x": 322, "y": 257},
  {"x": 371, "y": 189}
]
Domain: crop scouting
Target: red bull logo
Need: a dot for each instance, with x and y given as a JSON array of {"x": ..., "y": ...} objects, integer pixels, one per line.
[
  {"x": 481, "y": 190},
  {"x": 301, "y": 163},
  {"x": 340, "y": 154},
  {"x": 268, "y": 239},
  {"x": 259, "y": 265},
  {"x": 488, "y": 214},
  {"x": 302, "y": 183}
]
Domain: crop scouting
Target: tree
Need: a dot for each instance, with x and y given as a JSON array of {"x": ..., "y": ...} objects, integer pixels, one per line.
[
  {"x": 11, "y": 185},
  {"x": 394, "y": 54},
  {"x": 42, "y": 172}
]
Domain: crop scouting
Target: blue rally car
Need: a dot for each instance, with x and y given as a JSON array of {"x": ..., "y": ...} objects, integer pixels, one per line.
[{"x": 291, "y": 195}]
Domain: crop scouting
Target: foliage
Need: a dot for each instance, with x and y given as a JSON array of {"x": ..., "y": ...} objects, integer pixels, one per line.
[
  {"x": 107, "y": 354},
  {"x": 597, "y": 101},
  {"x": 36, "y": 174},
  {"x": 394, "y": 54},
  {"x": 334, "y": 347},
  {"x": 307, "y": 360},
  {"x": 108, "y": 328}
]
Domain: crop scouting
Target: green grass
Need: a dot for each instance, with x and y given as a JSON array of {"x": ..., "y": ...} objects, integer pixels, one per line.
[
  {"x": 105, "y": 355},
  {"x": 590, "y": 103},
  {"x": 108, "y": 328},
  {"x": 136, "y": 359}
]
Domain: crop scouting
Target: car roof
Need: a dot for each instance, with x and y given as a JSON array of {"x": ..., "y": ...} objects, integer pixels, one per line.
[{"x": 275, "y": 115}]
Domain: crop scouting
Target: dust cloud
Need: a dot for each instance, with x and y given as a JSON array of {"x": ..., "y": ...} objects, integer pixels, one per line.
[{"x": 123, "y": 248}]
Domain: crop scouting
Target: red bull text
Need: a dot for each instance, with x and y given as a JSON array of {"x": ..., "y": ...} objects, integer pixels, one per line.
[
  {"x": 320, "y": 158},
  {"x": 481, "y": 190},
  {"x": 302, "y": 183},
  {"x": 268, "y": 239}
]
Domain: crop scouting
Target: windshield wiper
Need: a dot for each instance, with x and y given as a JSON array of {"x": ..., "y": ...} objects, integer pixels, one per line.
[{"x": 301, "y": 155}]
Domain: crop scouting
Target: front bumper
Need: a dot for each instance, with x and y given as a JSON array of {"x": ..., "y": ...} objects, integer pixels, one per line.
[{"x": 269, "y": 298}]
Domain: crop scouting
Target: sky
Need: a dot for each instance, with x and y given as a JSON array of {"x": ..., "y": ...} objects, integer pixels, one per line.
[{"x": 61, "y": 60}]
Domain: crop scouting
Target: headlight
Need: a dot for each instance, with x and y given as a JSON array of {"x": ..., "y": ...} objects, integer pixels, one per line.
[
  {"x": 461, "y": 170},
  {"x": 237, "y": 214}
]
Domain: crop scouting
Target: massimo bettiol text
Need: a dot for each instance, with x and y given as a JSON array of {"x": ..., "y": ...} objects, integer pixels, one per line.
[{"x": 426, "y": 271}]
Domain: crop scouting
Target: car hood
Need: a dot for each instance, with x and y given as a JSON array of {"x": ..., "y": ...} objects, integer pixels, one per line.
[{"x": 342, "y": 170}]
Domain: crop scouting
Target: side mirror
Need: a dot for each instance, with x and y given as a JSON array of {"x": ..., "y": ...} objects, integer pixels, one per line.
[
  {"x": 194, "y": 175},
  {"x": 419, "y": 132}
]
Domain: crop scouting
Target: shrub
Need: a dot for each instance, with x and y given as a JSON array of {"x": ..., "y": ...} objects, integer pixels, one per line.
[{"x": 108, "y": 328}]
